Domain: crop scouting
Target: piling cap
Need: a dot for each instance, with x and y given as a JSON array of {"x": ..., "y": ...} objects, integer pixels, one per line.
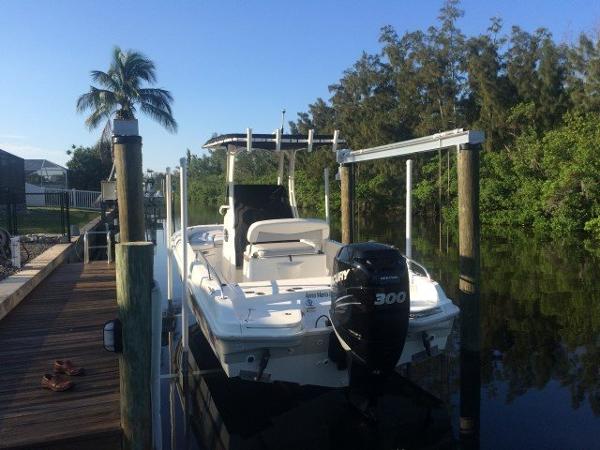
[{"x": 125, "y": 127}]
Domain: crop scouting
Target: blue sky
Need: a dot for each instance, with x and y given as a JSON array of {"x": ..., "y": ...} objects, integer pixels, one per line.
[{"x": 229, "y": 64}]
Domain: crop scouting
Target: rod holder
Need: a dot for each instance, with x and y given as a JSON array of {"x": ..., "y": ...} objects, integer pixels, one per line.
[
  {"x": 278, "y": 139},
  {"x": 326, "y": 183},
  {"x": 249, "y": 139},
  {"x": 311, "y": 136},
  {"x": 336, "y": 137}
]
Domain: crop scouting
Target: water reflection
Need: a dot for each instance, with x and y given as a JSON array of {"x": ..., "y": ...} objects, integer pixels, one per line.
[
  {"x": 539, "y": 368},
  {"x": 241, "y": 414}
]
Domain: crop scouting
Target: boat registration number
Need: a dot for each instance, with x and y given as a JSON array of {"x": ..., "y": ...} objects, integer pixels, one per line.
[{"x": 311, "y": 299}]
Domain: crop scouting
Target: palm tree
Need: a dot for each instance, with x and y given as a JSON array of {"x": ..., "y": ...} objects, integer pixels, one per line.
[{"x": 122, "y": 94}]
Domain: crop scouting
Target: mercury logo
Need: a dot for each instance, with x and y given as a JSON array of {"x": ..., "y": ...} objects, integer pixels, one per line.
[{"x": 341, "y": 275}]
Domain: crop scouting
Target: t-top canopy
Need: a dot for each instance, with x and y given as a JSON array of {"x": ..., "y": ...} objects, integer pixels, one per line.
[{"x": 270, "y": 141}]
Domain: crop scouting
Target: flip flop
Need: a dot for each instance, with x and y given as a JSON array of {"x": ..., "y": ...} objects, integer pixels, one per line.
[
  {"x": 56, "y": 383},
  {"x": 65, "y": 366}
]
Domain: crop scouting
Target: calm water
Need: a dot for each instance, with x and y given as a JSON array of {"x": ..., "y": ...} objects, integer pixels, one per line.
[{"x": 539, "y": 372}]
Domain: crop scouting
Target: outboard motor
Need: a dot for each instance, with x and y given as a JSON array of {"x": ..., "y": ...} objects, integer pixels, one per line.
[{"x": 369, "y": 307}]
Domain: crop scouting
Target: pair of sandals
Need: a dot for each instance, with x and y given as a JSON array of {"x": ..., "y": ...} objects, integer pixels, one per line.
[{"x": 58, "y": 382}]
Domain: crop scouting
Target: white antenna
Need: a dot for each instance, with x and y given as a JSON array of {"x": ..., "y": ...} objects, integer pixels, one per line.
[
  {"x": 249, "y": 139},
  {"x": 311, "y": 135}
]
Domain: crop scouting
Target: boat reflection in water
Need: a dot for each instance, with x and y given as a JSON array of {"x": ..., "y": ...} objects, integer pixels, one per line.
[
  {"x": 539, "y": 350},
  {"x": 236, "y": 414}
]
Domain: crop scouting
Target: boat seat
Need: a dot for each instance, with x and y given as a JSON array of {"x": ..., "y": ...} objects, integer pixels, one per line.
[
  {"x": 274, "y": 249},
  {"x": 294, "y": 229},
  {"x": 285, "y": 248}
]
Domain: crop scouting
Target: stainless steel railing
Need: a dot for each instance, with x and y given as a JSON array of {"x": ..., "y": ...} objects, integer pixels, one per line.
[{"x": 87, "y": 247}]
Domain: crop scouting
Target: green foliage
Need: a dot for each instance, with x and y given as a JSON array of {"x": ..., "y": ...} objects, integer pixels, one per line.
[
  {"x": 123, "y": 93},
  {"x": 593, "y": 227},
  {"x": 537, "y": 101},
  {"x": 88, "y": 166},
  {"x": 47, "y": 220}
]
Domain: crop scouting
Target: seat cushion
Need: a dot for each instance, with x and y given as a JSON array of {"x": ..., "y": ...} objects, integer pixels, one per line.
[
  {"x": 293, "y": 229},
  {"x": 274, "y": 249}
]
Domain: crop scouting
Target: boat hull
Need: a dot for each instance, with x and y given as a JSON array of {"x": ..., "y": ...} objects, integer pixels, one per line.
[
  {"x": 299, "y": 351},
  {"x": 305, "y": 360}
]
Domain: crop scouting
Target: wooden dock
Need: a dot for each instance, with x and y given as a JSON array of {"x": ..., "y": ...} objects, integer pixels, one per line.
[{"x": 61, "y": 319}]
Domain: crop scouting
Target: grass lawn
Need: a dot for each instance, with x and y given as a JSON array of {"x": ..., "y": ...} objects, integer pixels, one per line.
[{"x": 47, "y": 220}]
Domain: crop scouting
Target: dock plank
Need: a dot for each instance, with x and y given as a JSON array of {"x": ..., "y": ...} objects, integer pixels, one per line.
[{"x": 61, "y": 319}]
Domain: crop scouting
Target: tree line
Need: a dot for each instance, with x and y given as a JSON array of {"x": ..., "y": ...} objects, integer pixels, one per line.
[{"x": 538, "y": 101}]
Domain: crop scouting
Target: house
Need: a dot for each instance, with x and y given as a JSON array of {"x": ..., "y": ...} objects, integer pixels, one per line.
[
  {"x": 41, "y": 174},
  {"x": 12, "y": 178}
]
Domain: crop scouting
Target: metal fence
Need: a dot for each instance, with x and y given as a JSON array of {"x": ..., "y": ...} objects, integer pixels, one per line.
[
  {"x": 78, "y": 199},
  {"x": 50, "y": 215}
]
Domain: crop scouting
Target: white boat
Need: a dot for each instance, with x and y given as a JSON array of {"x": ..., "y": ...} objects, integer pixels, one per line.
[{"x": 279, "y": 300}]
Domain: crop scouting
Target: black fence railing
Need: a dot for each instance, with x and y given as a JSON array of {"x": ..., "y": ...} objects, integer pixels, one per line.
[{"x": 35, "y": 213}]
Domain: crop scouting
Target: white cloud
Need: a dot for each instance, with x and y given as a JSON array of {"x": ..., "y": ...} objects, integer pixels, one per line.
[
  {"x": 12, "y": 137},
  {"x": 33, "y": 152}
]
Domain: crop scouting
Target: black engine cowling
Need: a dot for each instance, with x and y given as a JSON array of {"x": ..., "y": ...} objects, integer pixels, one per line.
[{"x": 370, "y": 304}]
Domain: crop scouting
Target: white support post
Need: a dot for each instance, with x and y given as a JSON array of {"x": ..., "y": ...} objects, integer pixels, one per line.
[
  {"x": 280, "y": 168},
  {"x": 311, "y": 136},
  {"x": 326, "y": 181},
  {"x": 408, "y": 250},
  {"x": 249, "y": 139},
  {"x": 184, "y": 243},
  {"x": 169, "y": 232},
  {"x": 156, "y": 351},
  {"x": 230, "y": 174},
  {"x": 109, "y": 254},
  {"x": 15, "y": 251},
  {"x": 292, "y": 182},
  {"x": 86, "y": 248},
  {"x": 278, "y": 139}
]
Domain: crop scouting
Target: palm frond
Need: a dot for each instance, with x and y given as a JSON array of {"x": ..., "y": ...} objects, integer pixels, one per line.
[
  {"x": 160, "y": 98},
  {"x": 161, "y": 116},
  {"x": 139, "y": 67},
  {"x": 123, "y": 91},
  {"x": 98, "y": 116},
  {"x": 96, "y": 98},
  {"x": 105, "y": 79},
  {"x": 85, "y": 102},
  {"x": 106, "y": 136}
]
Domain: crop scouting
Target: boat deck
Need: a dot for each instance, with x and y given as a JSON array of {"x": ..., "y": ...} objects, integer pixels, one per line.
[{"x": 61, "y": 319}]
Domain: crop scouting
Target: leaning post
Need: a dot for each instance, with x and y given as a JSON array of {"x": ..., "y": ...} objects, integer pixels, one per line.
[
  {"x": 469, "y": 290},
  {"x": 134, "y": 274},
  {"x": 346, "y": 181}
]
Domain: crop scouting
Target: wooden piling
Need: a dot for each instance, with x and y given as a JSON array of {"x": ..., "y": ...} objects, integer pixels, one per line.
[
  {"x": 469, "y": 288},
  {"x": 347, "y": 201},
  {"x": 134, "y": 262},
  {"x": 128, "y": 164}
]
